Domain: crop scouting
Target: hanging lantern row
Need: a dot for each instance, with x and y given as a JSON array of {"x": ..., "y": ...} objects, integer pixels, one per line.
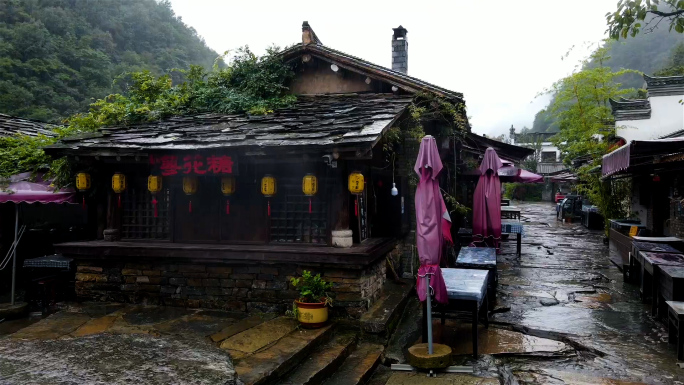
[
  {"x": 309, "y": 187},
  {"x": 190, "y": 188},
  {"x": 356, "y": 186},
  {"x": 228, "y": 189},
  {"x": 154, "y": 185},
  {"x": 268, "y": 189},
  {"x": 118, "y": 185},
  {"x": 83, "y": 184}
]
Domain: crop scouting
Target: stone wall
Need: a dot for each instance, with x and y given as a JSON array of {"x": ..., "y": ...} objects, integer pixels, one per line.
[{"x": 253, "y": 288}]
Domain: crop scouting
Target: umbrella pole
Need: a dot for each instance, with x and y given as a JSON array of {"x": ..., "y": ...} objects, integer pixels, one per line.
[
  {"x": 14, "y": 253},
  {"x": 429, "y": 315}
]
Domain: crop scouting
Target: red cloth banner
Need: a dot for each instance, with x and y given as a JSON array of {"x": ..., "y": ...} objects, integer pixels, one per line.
[{"x": 193, "y": 164}]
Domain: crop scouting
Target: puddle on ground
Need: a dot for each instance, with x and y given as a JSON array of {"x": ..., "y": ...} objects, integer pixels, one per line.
[
  {"x": 495, "y": 341},
  {"x": 547, "y": 376}
]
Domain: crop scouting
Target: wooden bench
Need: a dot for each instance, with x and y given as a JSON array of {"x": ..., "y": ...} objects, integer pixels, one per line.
[
  {"x": 481, "y": 258},
  {"x": 510, "y": 212},
  {"x": 670, "y": 287},
  {"x": 635, "y": 260},
  {"x": 650, "y": 273},
  {"x": 675, "y": 316},
  {"x": 467, "y": 292}
]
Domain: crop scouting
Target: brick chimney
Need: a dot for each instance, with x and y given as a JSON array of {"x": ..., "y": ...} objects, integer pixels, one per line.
[{"x": 400, "y": 50}]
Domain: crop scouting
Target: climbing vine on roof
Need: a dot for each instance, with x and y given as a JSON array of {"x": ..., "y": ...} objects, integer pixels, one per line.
[{"x": 248, "y": 84}]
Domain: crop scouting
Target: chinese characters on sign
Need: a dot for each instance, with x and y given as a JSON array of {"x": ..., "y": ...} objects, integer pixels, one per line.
[{"x": 193, "y": 164}]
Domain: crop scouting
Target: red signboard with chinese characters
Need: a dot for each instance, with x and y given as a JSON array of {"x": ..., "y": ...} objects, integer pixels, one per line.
[{"x": 194, "y": 164}]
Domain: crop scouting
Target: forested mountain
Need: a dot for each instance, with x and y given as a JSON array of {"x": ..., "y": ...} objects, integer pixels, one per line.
[
  {"x": 57, "y": 56},
  {"x": 660, "y": 52}
]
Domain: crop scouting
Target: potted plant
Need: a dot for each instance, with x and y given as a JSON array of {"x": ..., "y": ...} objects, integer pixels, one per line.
[{"x": 312, "y": 304}]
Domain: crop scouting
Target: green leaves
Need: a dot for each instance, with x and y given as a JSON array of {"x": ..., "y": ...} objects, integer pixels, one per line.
[
  {"x": 587, "y": 129},
  {"x": 626, "y": 20},
  {"x": 312, "y": 289},
  {"x": 56, "y": 57},
  {"x": 252, "y": 84}
]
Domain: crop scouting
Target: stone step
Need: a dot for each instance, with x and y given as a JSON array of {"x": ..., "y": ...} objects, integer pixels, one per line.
[
  {"x": 323, "y": 362},
  {"x": 359, "y": 366},
  {"x": 266, "y": 366},
  {"x": 258, "y": 337},
  {"x": 384, "y": 315}
]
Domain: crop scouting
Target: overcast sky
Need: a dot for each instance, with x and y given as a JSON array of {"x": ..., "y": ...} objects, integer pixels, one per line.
[{"x": 500, "y": 54}]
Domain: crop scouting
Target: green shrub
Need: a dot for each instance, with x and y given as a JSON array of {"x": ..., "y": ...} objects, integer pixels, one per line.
[{"x": 523, "y": 191}]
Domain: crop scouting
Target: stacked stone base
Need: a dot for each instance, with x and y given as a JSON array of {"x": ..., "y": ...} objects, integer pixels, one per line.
[{"x": 245, "y": 288}]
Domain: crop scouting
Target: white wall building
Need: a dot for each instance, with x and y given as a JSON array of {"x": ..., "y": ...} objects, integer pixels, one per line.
[
  {"x": 658, "y": 116},
  {"x": 549, "y": 152}
]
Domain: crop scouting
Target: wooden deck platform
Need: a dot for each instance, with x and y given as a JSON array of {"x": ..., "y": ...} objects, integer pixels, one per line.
[{"x": 357, "y": 257}]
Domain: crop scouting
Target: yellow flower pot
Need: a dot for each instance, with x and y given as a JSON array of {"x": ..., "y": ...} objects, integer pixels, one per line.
[{"x": 312, "y": 315}]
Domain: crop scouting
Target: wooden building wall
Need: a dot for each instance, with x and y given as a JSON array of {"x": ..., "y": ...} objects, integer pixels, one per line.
[{"x": 316, "y": 77}]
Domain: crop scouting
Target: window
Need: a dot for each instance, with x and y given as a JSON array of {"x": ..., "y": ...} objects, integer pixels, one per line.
[
  {"x": 291, "y": 221},
  {"x": 137, "y": 213},
  {"x": 548, "y": 156}
]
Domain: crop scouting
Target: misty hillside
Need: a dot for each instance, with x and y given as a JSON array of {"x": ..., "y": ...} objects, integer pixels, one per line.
[
  {"x": 648, "y": 53},
  {"x": 57, "y": 56}
]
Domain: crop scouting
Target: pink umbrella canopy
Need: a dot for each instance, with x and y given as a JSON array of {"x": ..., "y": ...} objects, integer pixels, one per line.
[
  {"x": 22, "y": 190},
  {"x": 432, "y": 220},
  {"x": 487, "y": 202},
  {"x": 514, "y": 174}
]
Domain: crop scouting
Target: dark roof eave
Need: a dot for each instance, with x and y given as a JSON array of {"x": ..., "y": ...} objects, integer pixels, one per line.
[{"x": 364, "y": 67}]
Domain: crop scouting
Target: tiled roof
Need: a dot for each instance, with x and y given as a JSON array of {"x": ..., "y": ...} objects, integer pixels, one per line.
[
  {"x": 314, "y": 122},
  {"x": 367, "y": 68},
  {"x": 548, "y": 168},
  {"x": 11, "y": 125},
  {"x": 627, "y": 109},
  {"x": 665, "y": 85},
  {"x": 477, "y": 144}
]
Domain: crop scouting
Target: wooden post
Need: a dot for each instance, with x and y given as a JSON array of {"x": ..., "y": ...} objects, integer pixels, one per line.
[{"x": 340, "y": 199}]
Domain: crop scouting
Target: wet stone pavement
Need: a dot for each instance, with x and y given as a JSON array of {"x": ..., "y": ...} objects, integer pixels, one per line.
[
  {"x": 563, "y": 316},
  {"x": 96, "y": 343}
]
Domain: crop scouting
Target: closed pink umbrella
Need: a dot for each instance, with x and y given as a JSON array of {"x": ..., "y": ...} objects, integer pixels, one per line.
[
  {"x": 432, "y": 224},
  {"x": 487, "y": 202}
]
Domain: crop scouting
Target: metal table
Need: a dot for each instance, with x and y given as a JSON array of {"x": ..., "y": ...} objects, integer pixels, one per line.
[
  {"x": 636, "y": 260},
  {"x": 467, "y": 291},
  {"x": 510, "y": 212},
  {"x": 514, "y": 228},
  {"x": 481, "y": 258}
]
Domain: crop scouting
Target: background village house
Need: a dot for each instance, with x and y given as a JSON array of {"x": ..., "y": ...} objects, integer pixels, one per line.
[
  {"x": 652, "y": 160},
  {"x": 200, "y": 244},
  {"x": 209, "y": 237}
]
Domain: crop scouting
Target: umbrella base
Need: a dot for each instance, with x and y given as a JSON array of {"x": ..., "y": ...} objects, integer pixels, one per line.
[{"x": 419, "y": 357}]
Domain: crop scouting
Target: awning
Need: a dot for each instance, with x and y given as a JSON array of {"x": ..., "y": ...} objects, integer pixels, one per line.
[
  {"x": 22, "y": 190},
  {"x": 642, "y": 155},
  {"x": 563, "y": 177},
  {"x": 519, "y": 175}
]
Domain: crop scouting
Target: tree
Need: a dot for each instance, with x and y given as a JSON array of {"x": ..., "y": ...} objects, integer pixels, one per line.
[
  {"x": 632, "y": 16},
  {"x": 675, "y": 65},
  {"x": 582, "y": 112},
  {"x": 249, "y": 83},
  {"x": 58, "y": 56}
]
